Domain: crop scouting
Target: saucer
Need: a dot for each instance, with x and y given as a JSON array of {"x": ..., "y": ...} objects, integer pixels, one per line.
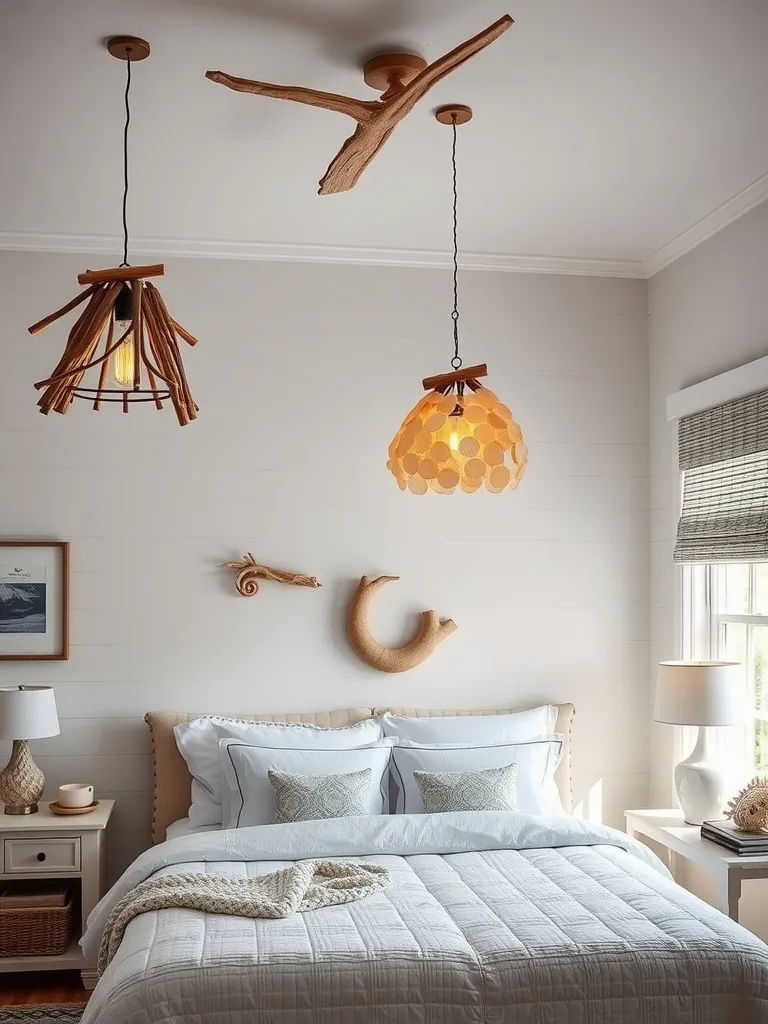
[{"x": 56, "y": 808}]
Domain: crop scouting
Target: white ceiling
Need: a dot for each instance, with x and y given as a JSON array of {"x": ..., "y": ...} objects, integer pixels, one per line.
[{"x": 603, "y": 129}]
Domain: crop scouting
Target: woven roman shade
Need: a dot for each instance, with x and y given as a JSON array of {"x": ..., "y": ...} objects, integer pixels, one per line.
[{"x": 724, "y": 459}]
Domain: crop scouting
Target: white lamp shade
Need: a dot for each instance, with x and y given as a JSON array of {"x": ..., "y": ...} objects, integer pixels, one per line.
[
  {"x": 701, "y": 693},
  {"x": 28, "y": 713}
]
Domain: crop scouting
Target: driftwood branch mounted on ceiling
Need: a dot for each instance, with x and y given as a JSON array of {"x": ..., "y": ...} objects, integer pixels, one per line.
[
  {"x": 376, "y": 119},
  {"x": 250, "y": 572},
  {"x": 432, "y": 630}
]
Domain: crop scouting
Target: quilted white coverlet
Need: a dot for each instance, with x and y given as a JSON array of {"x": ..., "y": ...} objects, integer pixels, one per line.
[{"x": 490, "y": 918}]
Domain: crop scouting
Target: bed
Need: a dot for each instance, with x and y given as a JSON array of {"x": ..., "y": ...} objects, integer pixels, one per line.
[{"x": 490, "y": 918}]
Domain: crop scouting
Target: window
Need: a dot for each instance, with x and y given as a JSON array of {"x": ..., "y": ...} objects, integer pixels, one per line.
[
  {"x": 726, "y": 617},
  {"x": 722, "y": 544}
]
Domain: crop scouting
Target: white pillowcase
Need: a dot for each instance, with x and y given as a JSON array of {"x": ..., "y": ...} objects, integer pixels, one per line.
[
  {"x": 536, "y": 763},
  {"x": 198, "y": 743},
  {"x": 181, "y": 829},
  {"x": 518, "y": 727},
  {"x": 248, "y": 791}
]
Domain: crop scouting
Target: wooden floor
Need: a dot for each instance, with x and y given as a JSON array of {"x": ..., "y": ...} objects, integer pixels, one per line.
[{"x": 32, "y": 987}]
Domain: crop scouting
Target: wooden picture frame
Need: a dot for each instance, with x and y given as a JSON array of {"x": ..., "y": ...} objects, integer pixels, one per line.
[{"x": 34, "y": 600}]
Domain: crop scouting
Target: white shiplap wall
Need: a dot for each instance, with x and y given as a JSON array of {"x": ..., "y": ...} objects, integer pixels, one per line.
[{"x": 303, "y": 374}]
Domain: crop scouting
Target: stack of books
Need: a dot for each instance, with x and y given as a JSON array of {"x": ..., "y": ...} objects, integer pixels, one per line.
[
  {"x": 18, "y": 895},
  {"x": 745, "y": 844}
]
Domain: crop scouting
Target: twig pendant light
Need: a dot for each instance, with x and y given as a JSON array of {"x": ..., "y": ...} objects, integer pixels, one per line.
[
  {"x": 460, "y": 434},
  {"x": 140, "y": 360}
]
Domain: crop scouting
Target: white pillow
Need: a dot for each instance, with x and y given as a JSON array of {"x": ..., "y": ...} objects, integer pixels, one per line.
[
  {"x": 249, "y": 793},
  {"x": 519, "y": 727},
  {"x": 198, "y": 743},
  {"x": 536, "y": 763}
]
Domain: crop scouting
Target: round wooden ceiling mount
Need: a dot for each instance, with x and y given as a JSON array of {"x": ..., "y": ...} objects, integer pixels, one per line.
[
  {"x": 124, "y": 47},
  {"x": 460, "y": 111},
  {"x": 390, "y": 70}
]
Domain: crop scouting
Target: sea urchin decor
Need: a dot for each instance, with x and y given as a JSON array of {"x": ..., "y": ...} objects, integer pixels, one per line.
[
  {"x": 464, "y": 439},
  {"x": 749, "y": 808},
  {"x": 133, "y": 359}
]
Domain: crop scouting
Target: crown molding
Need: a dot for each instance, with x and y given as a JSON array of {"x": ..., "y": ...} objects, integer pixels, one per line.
[
  {"x": 708, "y": 226},
  {"x": 273, "y": 251},
  {"x": 111, "y": 245}
]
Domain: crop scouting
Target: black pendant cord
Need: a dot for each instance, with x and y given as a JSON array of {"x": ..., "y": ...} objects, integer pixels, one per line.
[
  {"x": 457, "y": 360},
  {"x": 125, "y": 263}
]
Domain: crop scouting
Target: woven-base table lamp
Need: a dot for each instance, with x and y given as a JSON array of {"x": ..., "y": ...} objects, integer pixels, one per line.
[
  {"x": 704, "y": 694},
  {"x": 26, "y": 713}
]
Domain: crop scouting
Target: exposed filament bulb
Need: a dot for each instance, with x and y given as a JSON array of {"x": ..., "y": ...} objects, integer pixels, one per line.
[{"x": 122, "y": 359}]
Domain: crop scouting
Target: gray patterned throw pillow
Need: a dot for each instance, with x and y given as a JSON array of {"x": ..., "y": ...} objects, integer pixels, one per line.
[
  {"x": 491, "y": 789},
  {"x": 309, "y": 797}
]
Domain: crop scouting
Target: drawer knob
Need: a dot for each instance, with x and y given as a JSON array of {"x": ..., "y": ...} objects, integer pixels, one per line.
[{"x": 41, "y": 857}]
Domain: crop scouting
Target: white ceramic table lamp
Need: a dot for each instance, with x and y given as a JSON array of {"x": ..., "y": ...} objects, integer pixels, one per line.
[
  {"x": 26, "y": 713},
  {"x": 704, "y": 694}
]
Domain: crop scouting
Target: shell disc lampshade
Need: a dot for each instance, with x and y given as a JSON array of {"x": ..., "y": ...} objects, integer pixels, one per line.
[
  {"x": 459, "y": 434},
  {"x": 467, "y": 441}
]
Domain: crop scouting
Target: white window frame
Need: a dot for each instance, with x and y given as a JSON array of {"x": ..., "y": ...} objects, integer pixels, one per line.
[
  {"x": 701, "y": 629},
  {"x": 704, "y": 635}
]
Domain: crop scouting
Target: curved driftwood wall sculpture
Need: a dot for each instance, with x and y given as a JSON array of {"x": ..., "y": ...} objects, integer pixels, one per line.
[
  {"x": 250, "y": 572},
  {"x": 392, "y": 659}
]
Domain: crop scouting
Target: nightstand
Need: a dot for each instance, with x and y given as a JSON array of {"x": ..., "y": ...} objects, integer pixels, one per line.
[
  {"x": 682, "y": 840},
  {"x": 45, "y": 845}
]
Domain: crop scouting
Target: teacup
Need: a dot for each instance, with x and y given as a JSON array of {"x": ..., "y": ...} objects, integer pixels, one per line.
[{"x": 75, "y": 794}]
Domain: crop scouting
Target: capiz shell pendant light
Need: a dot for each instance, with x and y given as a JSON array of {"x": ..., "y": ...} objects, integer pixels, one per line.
[
  {"x": 460, "y": 434},
  {"x": 140, "y": 359}
]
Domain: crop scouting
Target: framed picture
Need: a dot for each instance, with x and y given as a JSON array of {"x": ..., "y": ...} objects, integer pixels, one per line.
[{"x": 34, "y": 600}]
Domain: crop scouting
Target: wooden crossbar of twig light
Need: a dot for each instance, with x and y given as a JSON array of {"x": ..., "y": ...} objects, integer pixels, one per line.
[{"x": 158, "y": 371}]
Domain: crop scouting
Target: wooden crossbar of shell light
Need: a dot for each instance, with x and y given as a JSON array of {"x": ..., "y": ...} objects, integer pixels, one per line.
[
  {"x": 157, "y": 365},
  {"x": 445, "y": 381}
]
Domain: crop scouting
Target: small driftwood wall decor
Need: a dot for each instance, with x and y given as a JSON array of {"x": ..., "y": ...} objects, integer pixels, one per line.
[
  {"x": 404, "y": 78},
  {"x": 432, "y": 631},
  {"x": 250, "y": 572}
]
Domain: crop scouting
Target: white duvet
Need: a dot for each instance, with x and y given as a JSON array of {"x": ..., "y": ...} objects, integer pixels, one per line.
[{"x": 490, "y": 918}]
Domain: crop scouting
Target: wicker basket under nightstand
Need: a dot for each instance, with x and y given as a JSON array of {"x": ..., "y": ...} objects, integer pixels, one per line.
[{"x": 35, "y": 931}]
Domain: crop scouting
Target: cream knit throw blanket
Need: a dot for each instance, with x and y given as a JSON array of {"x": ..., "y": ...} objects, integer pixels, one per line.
[{"x": 308, "y": 885}]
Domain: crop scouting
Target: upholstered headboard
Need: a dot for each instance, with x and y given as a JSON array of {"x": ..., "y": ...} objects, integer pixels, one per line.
[{"x": 173, "y": 783}]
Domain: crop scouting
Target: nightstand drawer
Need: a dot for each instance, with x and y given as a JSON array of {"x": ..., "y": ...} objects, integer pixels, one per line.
[{"x": 41, "y": 855}]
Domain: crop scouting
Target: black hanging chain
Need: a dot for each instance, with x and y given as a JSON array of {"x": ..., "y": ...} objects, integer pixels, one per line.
[
  {"x": 125, "y": 263},
  {"x": 457, "y": 360}
]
